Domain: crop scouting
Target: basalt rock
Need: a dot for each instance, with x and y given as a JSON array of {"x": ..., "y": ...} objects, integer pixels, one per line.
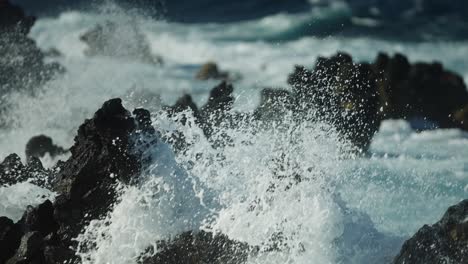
[
  {"x": 356, "y": 97},
  {"x": 85, "y": 184},
  {"x": 104, "y": 153},
  {"x": 444, "y": 242},
  {"x": 421, "y": 90},
  {"x": 215, "y": 113},
  {"x": 10, "y": 237},
  {"x": 216, "y": 110},
  {"x": 13, "y": 18},
  {"x": 100, "y": 156},
  {"x": 197, "y": 248},
  {"x": 340, "y": 92},
  {"x": 274, "y": 104},
  {"x": 39, "y": 146},
  {"x": 13, "y": 171}
]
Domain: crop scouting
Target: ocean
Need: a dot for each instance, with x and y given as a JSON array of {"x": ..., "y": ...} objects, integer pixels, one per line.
[{"x": 357, "y": 209}]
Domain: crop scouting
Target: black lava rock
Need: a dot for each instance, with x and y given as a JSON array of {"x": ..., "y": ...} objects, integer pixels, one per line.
[
  {"x": 342, "y": 93},
  {"x": 13, "y": 171},
  {"x": 39, "y": 146},
  {"x": 444, "y": 242},
  {"x": 103, "y": 154},
  {"x": 10, "y": 237},
  {"x": 197, "y": 248}
]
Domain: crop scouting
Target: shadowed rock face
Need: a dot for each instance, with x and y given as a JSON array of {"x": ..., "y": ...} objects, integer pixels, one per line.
[
  {"x": 444, "y": 242},
  {"x": 85, "y": 184}
]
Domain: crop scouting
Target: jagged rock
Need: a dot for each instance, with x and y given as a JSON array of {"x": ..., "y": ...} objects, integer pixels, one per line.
[
  {"x": 40, "y": 219},
  {"x": 200, "y": 247},
  {"x": 444, "y": 242},
  {"x": 39, "y": 146},
  {"x": 30, "y": 250},
  {"x": 104, "y": 153},
  {"x": 274, "y": 104},
  {"x": 340, "y": 92},
  {"x": 12, "y": 18},
  {"x": 85, "y": 184},
  {"x": 10, "y": 237},
  {"x": 100, "y": 156},
  {"x": 106, "y": 40},
  {"x": 355, "y": 97},
  {"x": 217, "y": 112},
  {"x": 13, "y": 171},
  {"x": 421, "y": 90}
]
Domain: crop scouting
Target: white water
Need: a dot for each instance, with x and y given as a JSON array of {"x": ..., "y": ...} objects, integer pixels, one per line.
[{"x": 347, "y": 210}]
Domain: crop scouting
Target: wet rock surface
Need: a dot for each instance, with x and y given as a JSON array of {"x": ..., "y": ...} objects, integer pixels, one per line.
[
  {"x": 85, "y": 185},
  {"x": 340, "y": 92},
  {"x": 356, "y": 97},
  {"x": 200, "y": 247},
  {"x": 13, "y": 171},
  {"x": 103, "y": 154},
  {"x": 39, "y": 146},
  {"x": 444, "y": 242}
]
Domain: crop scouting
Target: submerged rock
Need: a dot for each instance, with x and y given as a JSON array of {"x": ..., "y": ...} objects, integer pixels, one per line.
[
  {"x": 107, "y": 40},
  {"x": 444, "y": 242}
]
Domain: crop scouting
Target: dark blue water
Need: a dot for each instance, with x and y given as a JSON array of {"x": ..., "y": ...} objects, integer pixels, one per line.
[{"x": 406, "y": 20}]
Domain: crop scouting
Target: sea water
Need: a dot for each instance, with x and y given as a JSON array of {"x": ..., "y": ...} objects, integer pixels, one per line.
[{"x": 345, "y": 208}]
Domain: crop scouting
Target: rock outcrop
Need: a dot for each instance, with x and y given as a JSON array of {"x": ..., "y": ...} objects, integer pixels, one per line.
[
  {"x": 356, "y": 97},
  {"x": 13, "y": 171},
  {"x": 342, "y": 93},
  {"x": 444, "y": 242},
  {"x": 103, "y": 155},
  {"x": 39, "y": 146},
  {"x": 197, "y": 248},
  {"x": 85, "y": 184}
]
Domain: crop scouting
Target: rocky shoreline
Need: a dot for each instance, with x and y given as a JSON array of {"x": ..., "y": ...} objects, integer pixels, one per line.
[
  {"x": 103, "y": 154},
  {"x": 353, "y": 97}
]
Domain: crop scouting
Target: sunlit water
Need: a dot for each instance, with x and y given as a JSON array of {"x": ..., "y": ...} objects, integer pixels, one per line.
[{"x": 344, "y": 210}]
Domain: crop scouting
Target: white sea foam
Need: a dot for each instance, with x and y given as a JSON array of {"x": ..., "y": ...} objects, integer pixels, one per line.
[{"x": 344, "y": 210}]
